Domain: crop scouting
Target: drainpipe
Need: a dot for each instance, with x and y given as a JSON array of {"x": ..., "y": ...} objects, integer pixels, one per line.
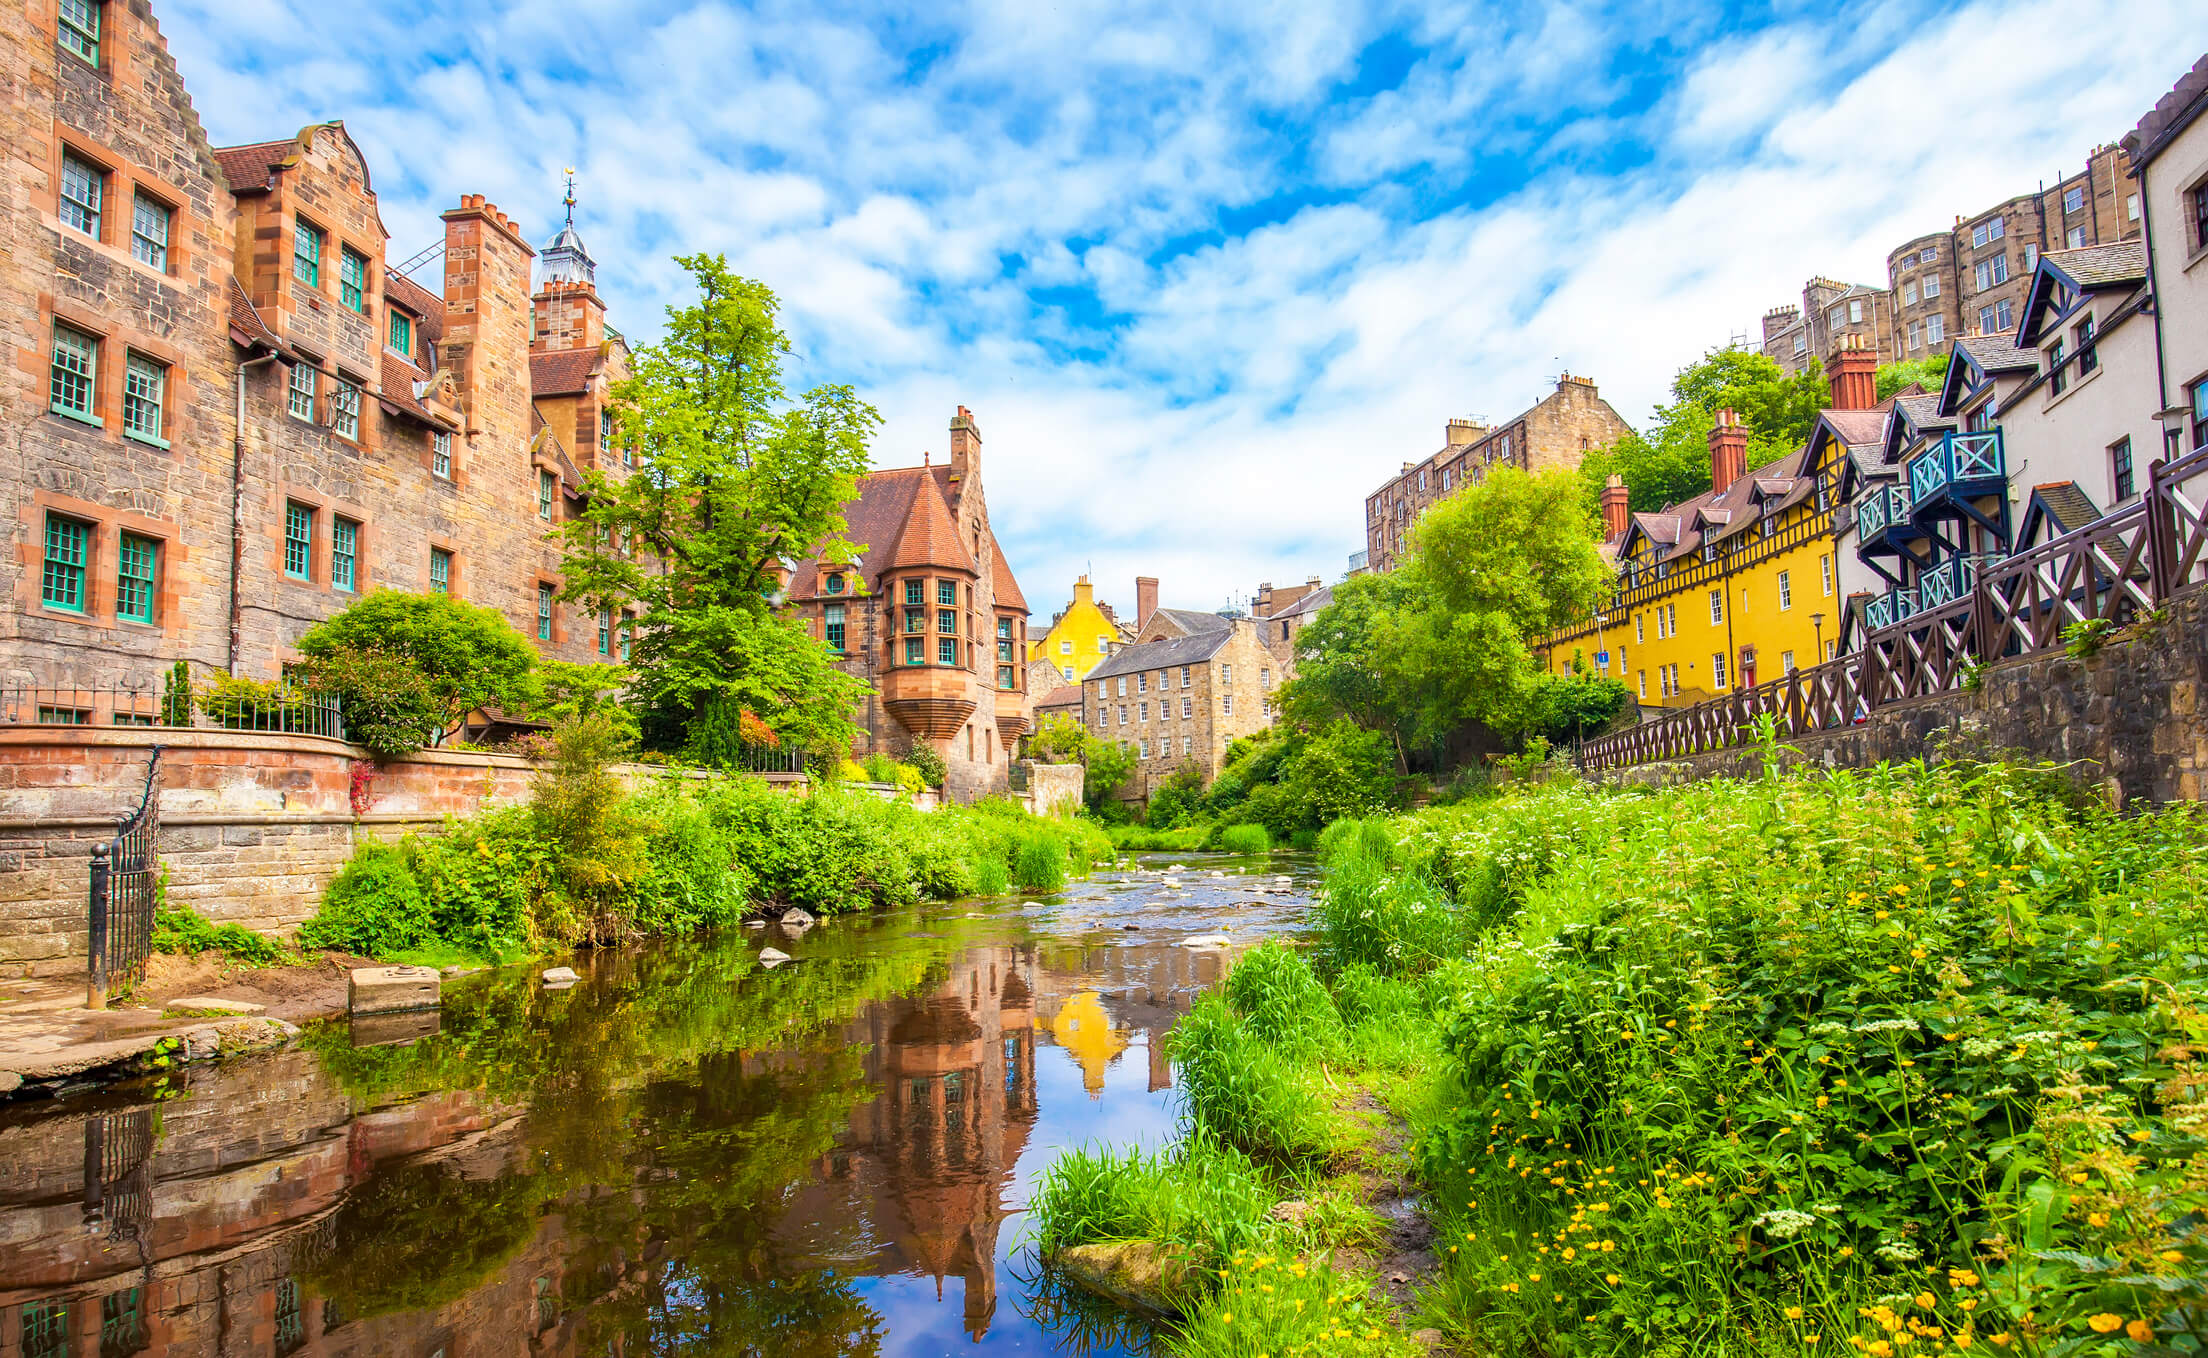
[
  {"x": 2161, "y": 358},
  {"x": 237, "y": 512}
]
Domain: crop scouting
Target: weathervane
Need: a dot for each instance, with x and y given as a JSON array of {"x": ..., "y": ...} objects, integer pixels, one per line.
[{"x": 570, "y": 200}]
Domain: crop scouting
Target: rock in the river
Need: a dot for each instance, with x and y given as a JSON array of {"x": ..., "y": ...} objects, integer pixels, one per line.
[
  {"x": 794, "y": 918},
  {"x": 1205, "y": 941},
  {"x": 1136, "y": 1273},
  {"x": 10, "y": 1082},
  {"x": 209, "y": 1004},
  {"x": 772, "y": 957},
  {"x": 384, "y": 990},
  {"x": 560, "y": 976},
  {"x": 755, "y": 924}
]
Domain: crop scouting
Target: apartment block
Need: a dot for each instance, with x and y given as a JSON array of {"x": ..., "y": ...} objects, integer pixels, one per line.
[
  {"x": 1187, "y": 688},
  {"x": 1832, "y": 316},
  {"x": 1558, "y": 432}
]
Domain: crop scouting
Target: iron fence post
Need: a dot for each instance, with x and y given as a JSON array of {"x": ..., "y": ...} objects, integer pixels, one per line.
[{"x": 96, "y": 929}]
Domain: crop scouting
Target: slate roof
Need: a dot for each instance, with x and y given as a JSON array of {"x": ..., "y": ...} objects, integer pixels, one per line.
[
  {"x": 1727, "y": 511},
  {"x": 1309, "y": 604},
  {"x": 2171, "y": 114},
  {"x": 249, "y": 168},
  {"x": 1159, "y": 655},
  {"x": 398, "y": 381},
  {"x": 1065, "y": 695},
  {"x": 930, "y": 535},
  {"x": 1995, "y": 354},
  {"x": 1191, "y": 621},
  {"x": 2102, "y": 266},
  {"x": 563, "y": 372}
]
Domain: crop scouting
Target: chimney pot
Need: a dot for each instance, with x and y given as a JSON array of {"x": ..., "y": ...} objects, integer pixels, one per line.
[
  {"x": 1615, "y": 516},
  {"x": 1728, "y": 451}
]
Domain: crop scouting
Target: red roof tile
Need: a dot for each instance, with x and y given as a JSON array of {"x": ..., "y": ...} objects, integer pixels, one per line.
[
  {"x": 563, "y": 372},
  {"x": 248, "y": 168},
  {"x": 930, "y": 535},
  {"x": 1001, "y": 584},
  {"x": 246, "y": 324},
  {"x": 397, "y": 391},
  {"x": 398, "y": 288},
  {"x": 1066, "y": 695}
]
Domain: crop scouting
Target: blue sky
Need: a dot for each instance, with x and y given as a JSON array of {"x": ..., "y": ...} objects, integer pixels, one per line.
[{"x": 1205, "y": 278}]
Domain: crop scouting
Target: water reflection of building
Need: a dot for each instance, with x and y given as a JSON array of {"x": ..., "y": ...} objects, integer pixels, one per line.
[
  {"x": 921, "y": 1172},
  {"x": 1135, "y": 990}
]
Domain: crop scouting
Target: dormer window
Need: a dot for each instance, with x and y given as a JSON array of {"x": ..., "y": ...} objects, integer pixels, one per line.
[
  {"x": 835, "y": 584},
  {"x": 402, "y": 333}
]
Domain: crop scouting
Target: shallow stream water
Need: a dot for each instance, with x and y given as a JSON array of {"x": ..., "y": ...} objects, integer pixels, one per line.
[{"x": 684, "y": 1153}]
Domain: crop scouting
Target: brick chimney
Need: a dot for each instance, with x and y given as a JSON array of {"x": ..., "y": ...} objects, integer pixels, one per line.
[
  {"x": 488, "y": 316},
  {"x": 1614, "y": 515},
  {"x": 1854, "y": 375},
  {"x": 965, "y": 447},
  {"x": 568, "y": 315},
  {"x": 1728, "y": 450},
  {"x": 1146, "y": 601},
  {"x": 1461, "y": 433}
]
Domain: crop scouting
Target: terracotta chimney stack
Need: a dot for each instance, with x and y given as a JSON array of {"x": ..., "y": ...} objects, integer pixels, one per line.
[
  {"x": 1728, "y": 450},
  {"x": 1854, "y": 375},
  {"x": 1614, "y": 515},
  {"x": 1146, "y": 600}
]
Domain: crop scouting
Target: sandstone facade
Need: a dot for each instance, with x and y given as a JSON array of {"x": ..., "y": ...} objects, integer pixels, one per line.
[
  {"x": 228, "y": 415},
  {"x": 1190, "y": 685}
]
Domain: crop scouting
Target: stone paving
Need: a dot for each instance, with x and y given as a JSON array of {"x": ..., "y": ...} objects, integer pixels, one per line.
[{"x": 46, "y": 1033}]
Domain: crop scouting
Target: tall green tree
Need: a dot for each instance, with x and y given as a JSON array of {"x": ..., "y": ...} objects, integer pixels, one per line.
[
  {"x": 1446, "y": 639},
  {"x": 1670, "y": 460},
  {"x": 1929, "y": 372},
  {"x": 735, "y": 478}
]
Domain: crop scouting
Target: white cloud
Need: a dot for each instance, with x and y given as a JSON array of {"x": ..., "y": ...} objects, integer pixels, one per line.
[{"x": 1281, "y": 289}]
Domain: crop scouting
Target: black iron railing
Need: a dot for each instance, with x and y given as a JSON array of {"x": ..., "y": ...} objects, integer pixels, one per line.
[
  {"x": 284, "y": 708},
  {"x": 119, "y": 913}
]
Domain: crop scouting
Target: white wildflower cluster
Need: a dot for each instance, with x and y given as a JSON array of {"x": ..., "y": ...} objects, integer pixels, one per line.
[
  {"x": 1828, "y": 1029},
  {"x": 1784, "y": 1223},
  {"x": 1892, "y": 1025},
  {"x": 1979, "y": 1048},
  {"x": 1897, "y": 1252}
]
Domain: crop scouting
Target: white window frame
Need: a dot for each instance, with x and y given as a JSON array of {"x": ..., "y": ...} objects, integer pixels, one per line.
[{"x": 1786, "y": 590}]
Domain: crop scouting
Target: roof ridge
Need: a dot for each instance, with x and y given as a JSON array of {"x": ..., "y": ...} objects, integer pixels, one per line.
[{"x": 929, "y": 535}]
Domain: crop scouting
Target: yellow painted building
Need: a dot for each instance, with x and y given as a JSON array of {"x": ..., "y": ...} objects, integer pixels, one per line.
[
  {"x": 1732, "y": 588},
  {"x": 1081, "y": 636}
]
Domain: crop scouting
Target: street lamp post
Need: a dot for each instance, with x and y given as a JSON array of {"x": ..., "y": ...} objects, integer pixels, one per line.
[{"x": 1817, "y": 620}]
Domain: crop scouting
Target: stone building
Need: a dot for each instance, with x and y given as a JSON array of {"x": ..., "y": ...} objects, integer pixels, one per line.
[
  {"x": 230, "y": 416},
  {"x": 1083, "y": 633},
  {"x": 929, "y": 615},
  {"x": 1832, "y": 315},
  {"x": 2168, "y": 151},
  {"x": 1189, "y": 686},
  {"x": 1971, "y": 278},
  {"x": 1555, "y": 433},
  {"x": 1281, "y": 613}
]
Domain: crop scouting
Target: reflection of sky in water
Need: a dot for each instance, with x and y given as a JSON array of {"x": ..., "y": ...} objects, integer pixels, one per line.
[{"x": 1126, "y": 1113}]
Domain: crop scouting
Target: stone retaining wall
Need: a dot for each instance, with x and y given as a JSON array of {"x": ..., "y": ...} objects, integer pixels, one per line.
[
  {"x": 2129, "y": 719},
  {"x": 253, "y": 825}
]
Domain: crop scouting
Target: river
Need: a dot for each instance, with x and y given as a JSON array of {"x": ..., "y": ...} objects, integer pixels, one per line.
[{"x": 684, "y": 1153}]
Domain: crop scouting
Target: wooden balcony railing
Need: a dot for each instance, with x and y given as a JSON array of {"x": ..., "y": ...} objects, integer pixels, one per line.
[{"x": 2115, "y": 569}]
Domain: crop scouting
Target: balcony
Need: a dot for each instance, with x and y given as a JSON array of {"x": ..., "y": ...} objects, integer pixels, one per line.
[
  {"x": 1958, "y": 467},
  {"x": 1895, "y": 605},
  {"x": 1881, "y": 514},
  {"x": 1952, "y": 579}
]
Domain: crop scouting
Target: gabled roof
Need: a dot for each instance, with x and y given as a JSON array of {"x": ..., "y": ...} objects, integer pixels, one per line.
[
  {"x": 2171, "y": 114},
  {"x": 2093, "y": 268},
  {"x": 1913, "y": 416},
  {"x": 1001, "y": 584},
  {"x": 1065, "y": 695},
  {"x": 1191, "y": 622},
  {"x": 563, "y": 372},
  {"x": 1309, "y": 604},
  {"x": 1719, "y": 514},
  {"x": 2056, "y": 508},
  {"x": 249, "y": 168},
  {"x": 1974, "y": 360},
  {"x": 929, "y": 535},
  {"x": 1160, "y": 655},
  {"x": 401, "y": 387}
]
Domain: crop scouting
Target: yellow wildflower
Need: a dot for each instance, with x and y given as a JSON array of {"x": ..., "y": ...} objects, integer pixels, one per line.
[{"x": 2107, "y": 1322}]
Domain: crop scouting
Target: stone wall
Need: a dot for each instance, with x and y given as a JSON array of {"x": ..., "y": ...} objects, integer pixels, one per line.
[
  {"x": 253, "y": 826},
  {"x": 1053, "y": 788},
  {"x": 2129, "y": 719}
]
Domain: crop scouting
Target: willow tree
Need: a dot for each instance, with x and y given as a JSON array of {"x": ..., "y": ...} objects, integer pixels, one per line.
[{"x": 734, "y": 479}]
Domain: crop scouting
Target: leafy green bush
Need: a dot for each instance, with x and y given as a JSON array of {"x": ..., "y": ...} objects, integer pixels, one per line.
[
  {"x": 181, "y": 929},
  {"x": 691, "y": 877},
  {"x": 441, "y": 656},
  {"x": 582, "y": 812},
  {"x": 1176, "y": 799},
  {"x": 1039, "y": 864},
  {"x": 374, "y": 906},
  {"x": 1851, "y": 1055},
  {"x": 924, "y": 761},
  {"x": 238, "y": 703},
  {"x": 1238, "y": 1087},
  {"x": 384, "y": 698},
  {"x": 483, "y": 878}
]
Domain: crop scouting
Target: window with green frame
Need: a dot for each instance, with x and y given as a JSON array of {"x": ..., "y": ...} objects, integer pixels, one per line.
[
  {"x": 605, "y": 631},
  {"x": 149, "y": 231},
  {"x": 75, "y": 374},
  {"x": 402, "y": 332},
  {"x": 61, "y": 716},
  {"x": 137, "y": 568},
  {"x": 344, "y": 553},
  {"x": 1004, "y": 676},
  {"x": 83, "y": 185},
  {"x": 547, "y": 489},
  {"x": 946, "y": 593},
  {"x": 832, "y": 627},
  {"x": 306, "y": 253},
  {"x": 946, "y": 651},
  {"x": 913, "y": 592},
  {"x": 440, "y": 571},
  {"x": 298, "y": 540},
  {"x": 61, "y": 577},
  {"x": 352, "y": 279},
  {"x": 299, "y": 394},
  {"x": 946, "y": 621},
  {"x": 628, "y": 635},
  {"x": 345, "y": 408},
  {"x": 916, "y": 620},
  {"x": 144, "y": 381},
  {"x": 544, "y": 612},
  {"x": 915, "y": 651},
  {"x": 79, "y": 34}
]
